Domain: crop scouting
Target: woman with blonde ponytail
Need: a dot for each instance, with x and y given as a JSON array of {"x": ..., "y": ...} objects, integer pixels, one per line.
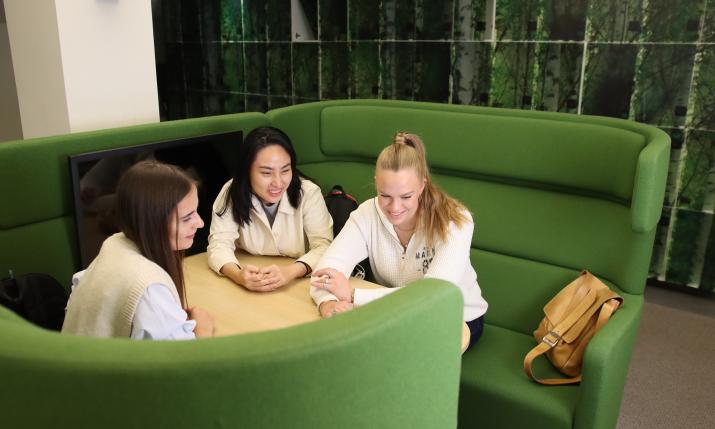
[{"x": 411, "y": 230}]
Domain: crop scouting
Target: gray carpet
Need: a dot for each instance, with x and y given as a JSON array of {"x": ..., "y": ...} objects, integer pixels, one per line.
[{"x": 671, "y": 381}]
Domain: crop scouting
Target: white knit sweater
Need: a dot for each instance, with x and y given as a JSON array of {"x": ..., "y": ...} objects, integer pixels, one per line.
[
  {"x": 105, "y": 300},
  {"x": 368, "y": 233}
]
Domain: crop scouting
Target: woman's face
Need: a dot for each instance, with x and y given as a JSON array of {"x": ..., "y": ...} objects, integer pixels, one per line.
[
  {"x": 271, "y": 174},
  {"x": 185, "y": 221},
  {"x": 398, "y": 194}
]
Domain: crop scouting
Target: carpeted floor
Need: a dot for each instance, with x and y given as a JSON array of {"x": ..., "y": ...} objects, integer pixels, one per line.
[{"x": 671, "y": 382}]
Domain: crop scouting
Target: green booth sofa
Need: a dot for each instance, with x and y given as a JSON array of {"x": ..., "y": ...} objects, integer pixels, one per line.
[
  {"x": 393, "y": 365},
  {"x": 551, "y": 194}
]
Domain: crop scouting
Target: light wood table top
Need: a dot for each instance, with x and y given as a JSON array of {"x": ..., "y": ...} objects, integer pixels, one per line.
[{"x": 237, "y": 310}]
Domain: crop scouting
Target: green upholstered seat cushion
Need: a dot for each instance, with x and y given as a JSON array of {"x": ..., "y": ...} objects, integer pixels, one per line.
[
  {"x": 563, "y": 153},
  {"x": 495, "y": 392}
]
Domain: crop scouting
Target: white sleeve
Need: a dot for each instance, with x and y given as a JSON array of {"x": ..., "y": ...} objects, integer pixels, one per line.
[
  {"x": 364, "y": 296},
  {"x": 317, "y": 225},
  {"x": 452, "y": 255},
  {"x": 223, "y": 234},
  {"x": 346, "y": 251},
  {"x": 159, "y": 317}
]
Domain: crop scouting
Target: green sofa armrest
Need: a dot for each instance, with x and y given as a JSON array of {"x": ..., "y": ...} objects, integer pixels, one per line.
[
  {"x": 606, "y": 365},
  {"x": 649, "y": 183},
  {"x": 9, "y": 316},
  {"x": 392, "y": 363}
]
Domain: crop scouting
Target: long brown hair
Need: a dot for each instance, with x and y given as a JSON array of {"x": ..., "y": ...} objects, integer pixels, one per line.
[
  {"x": 436, "y": 208},
  {"x": 147, "y": 196}
]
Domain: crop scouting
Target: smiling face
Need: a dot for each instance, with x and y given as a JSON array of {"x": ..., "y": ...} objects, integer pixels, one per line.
[
  {"x": 398, "y": 194},
  {"x": 184, "y": 222},
  {"x": 271, "y": 174}
]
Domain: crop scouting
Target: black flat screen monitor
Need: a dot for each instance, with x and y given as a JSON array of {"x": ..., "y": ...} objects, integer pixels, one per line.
[{"x": 210, "y": 159}]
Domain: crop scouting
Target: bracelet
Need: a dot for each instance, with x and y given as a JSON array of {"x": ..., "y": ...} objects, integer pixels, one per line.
[{"x": 308, "y": 270}]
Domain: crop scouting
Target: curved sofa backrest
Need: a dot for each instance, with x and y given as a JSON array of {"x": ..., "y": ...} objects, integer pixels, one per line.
[
  {"x": 551, "y": 194},
  {"x": 395, "y": 363}
]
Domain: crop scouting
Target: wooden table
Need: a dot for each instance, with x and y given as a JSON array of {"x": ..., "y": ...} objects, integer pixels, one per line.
[{"x": 237, "y": 310}]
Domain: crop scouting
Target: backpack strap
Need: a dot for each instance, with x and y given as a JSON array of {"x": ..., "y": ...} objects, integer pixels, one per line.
[
  {"x": 551, "y": 339},
  {"x": 338, "y": 191}
]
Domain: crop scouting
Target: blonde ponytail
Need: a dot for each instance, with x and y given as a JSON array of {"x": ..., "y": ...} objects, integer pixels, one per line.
[{"x": 436, "y": 208}]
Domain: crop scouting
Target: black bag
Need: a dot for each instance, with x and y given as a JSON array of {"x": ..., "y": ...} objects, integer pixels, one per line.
[
  {"x": 38, "y": 298},
  {"x": 340, "y": 205}
]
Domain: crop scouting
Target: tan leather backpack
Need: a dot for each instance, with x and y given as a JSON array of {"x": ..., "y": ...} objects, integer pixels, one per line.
[{"x": 573, "y": 316}]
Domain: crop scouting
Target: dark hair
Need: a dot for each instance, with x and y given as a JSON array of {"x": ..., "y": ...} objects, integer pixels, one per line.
[
  {"x": 240, "y": 192},
  {"x": 147, "y": 196}
]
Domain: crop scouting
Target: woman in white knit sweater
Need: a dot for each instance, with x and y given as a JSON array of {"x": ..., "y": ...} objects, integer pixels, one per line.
[
  {"x": 411, "y": 230},
  {"x": 135, "y": 286},
  {"x": 268, "y": 209}
]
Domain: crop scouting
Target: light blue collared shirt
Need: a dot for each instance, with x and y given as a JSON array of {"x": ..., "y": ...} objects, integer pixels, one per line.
[{"x": 158, "y": 317}]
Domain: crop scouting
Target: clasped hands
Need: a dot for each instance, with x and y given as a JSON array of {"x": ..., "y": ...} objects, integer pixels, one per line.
[
  {"x": 264, "y": 279},
  {"x": 333, "y": 281}
]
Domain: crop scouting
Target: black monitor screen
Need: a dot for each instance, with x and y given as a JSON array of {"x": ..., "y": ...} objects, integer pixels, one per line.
[{"x": 210, "y": 159}]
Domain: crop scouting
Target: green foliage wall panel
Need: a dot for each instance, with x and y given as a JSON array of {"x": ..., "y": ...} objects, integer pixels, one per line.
[{"x": 651, "y": 61}]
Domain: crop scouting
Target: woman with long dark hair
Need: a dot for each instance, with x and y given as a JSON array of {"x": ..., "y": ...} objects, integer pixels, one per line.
[
  {"x": 135, "y": 286},
  {"x": 268, "y": 209},
  {"x": 411, "y": 230}
]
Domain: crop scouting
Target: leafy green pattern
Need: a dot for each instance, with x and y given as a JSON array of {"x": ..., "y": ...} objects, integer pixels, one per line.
[{"x": 651, "y": 61}]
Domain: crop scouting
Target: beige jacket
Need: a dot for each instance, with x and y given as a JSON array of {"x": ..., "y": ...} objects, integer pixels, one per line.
[{"x": 303, "y": 233}]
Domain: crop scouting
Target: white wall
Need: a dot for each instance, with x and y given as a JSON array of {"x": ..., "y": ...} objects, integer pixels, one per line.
[
  {"x": 108, "y": 56},
  {"x": 82, "y": 64},
  {"x": 34, "y": 43},
  {"x": 10, "y": 126}
]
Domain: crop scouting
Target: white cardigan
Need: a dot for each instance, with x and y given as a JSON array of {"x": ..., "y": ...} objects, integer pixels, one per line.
[
  {"x": 304, "y": 232},
  {"x": 368, "y": 233}
]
